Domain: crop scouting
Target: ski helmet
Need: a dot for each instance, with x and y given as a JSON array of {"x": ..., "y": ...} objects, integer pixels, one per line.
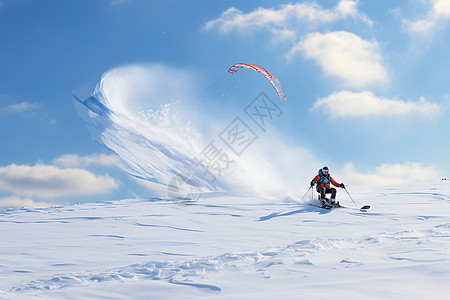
[{"x": 325, "y": 169}]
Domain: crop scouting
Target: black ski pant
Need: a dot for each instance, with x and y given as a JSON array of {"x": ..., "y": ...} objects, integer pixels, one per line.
[{"x": 324, "y": 190}]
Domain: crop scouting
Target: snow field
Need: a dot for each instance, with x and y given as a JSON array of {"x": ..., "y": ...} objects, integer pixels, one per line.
[{"x": 226, "y": 247}]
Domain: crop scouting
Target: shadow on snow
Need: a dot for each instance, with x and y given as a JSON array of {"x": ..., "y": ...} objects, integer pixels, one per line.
[{"x": 305, "y": 209}]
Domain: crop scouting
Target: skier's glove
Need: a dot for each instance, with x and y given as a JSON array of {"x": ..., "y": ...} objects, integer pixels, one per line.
[
  {"x": 342, "y": 186},
  {"x": 312, "y": 183}
]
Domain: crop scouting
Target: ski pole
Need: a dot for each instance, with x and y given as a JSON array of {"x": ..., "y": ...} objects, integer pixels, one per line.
[
  {"x": 305, "y": 194},
  {"x": 351, "y": 198}
]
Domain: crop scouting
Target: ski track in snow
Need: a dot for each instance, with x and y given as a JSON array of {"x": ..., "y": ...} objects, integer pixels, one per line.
[{"x": 231, "y": 247}]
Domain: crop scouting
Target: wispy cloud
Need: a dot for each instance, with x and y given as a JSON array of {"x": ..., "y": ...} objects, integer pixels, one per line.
[
  {"x": 346, "y": 56},
  {"x": 362, "y": 104},
  {"x": 52, "y": 182},
  {"x": 119, "y": 2},
  {"x": 388, "y": 174},
  {"x": 286, "y": 17},
  {"x": 27, "y": 110},
  {"x": 74, "y": 160},
  {"x": 18, "y": 202},
  {"x": 438, "y": 13},
  {"x": 19, "y": 107}
]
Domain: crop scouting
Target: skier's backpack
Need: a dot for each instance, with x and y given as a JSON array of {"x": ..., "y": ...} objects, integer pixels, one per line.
[{"x": 325, "y": 179}]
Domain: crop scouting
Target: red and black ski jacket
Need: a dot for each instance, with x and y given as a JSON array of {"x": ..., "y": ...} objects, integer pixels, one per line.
[{"x": 325, "y": 181}]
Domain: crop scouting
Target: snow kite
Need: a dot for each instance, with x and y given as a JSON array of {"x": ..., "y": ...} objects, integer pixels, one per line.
[{"x": 273, "y": 80}]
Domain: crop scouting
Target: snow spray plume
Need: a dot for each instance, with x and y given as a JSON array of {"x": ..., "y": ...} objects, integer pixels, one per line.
[
  {"x": 150, "y": 117},
  {"x": 125, "y": 116}
]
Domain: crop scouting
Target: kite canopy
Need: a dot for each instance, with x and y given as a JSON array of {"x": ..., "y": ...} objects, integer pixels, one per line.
[{"x": 273, "y": 80}]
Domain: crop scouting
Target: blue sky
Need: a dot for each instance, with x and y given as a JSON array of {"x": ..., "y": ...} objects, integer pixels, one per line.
[{"x": 366, "y": 82}]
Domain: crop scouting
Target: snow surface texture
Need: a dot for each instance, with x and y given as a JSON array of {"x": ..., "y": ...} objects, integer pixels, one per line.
[{"x": 226, "y": 247}]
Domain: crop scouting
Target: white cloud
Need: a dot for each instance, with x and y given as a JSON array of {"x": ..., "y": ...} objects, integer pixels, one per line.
[
  {"x": 74, "y": 160},
  {"x": 18, "y": 202},
  {"x": 19, "y": 107},
  {"x": 388, "y": 174},
  {"x": 51, "y": 181},
  {"x": 284, "y": 34},
  {"x": 362, "y": 104},
  {"x": 346, "y": 56},
  {"x": 286, "y": 16},
  {"x": 439, "y": 12}
]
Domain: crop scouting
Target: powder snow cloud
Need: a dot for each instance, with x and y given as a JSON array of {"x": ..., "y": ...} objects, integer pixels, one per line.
[
  {"x": 18, "y": 202},
  {"x": 345, "y": 56},
  {"x": 362, "y": 104}
]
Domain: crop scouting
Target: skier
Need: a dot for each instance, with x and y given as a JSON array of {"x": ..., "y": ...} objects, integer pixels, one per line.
[{"x": 323, "y": 180}]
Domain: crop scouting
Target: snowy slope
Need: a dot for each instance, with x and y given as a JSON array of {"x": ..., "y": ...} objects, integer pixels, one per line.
[{"x": 227, "y": 247}]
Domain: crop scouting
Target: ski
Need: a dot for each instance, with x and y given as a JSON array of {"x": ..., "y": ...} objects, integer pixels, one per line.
[
  {"x": 327, "y": 205},
  {"x": 324, "y": 206},
  {"x": 330, "y": 206},
  {"x": 365, "y": 207}
]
